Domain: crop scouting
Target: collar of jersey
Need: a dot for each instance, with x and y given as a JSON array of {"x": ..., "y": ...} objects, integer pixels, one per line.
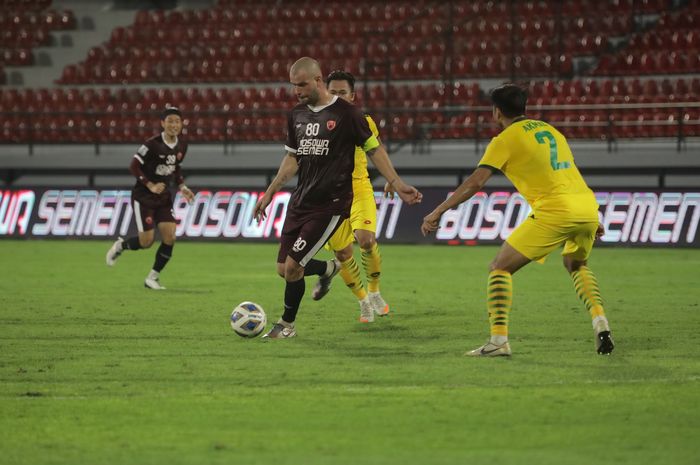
[
  {"x": 317, "y": 109},
  {"x": 162, "y": 134}
]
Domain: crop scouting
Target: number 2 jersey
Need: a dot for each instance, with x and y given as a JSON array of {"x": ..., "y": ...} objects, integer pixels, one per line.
[
  {"x": 159, "y": 162},
  {"x": 323, "y": 140},
  {"x": 537, "y": 159}
]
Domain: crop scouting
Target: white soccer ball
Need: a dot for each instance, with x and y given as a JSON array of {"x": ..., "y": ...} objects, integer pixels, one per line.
[{"x": 248, "y": 319}]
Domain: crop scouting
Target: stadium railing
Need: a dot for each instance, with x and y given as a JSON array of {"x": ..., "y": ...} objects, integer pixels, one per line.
[{"x": 398, "y": 126}]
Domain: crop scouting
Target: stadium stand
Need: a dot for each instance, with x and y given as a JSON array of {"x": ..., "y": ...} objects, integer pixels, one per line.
[{"x": 612, "y": 71}]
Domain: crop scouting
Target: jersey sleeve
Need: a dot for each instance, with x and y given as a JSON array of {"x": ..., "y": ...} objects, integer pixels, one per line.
[
  {"x": 496, "y": 155},
  {"x": 372, "y": 126},
  {"x": 142, "y": 153},
  {"x": 292, "y": 144},
  {"x": 362, "y": 133}
]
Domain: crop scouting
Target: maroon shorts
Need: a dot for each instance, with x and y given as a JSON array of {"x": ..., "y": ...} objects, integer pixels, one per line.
[
  {"x": 304, "y": 235},
  {"x": 151, "y": 209}
]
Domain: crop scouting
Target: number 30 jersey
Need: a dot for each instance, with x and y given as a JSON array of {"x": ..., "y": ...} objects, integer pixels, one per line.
[
  {"x": 160, "y": 162},
  {"x": 537, "y": 159}
]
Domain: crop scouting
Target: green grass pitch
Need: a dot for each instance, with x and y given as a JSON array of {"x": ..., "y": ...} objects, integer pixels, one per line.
[{"x": 95, "y": 369}]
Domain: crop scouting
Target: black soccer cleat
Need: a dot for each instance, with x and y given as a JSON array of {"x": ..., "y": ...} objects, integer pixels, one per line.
[{"x": 604, "y": 344}]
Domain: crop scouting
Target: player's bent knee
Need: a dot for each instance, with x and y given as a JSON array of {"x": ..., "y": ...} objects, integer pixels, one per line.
[
  {"x": 293, "y": 271},
  {"x": 293, "y": 275},
  {"x": 573, "y": 265},
  {"x": 366, "y": 240},
  {"x": 345, "y": 254},
  {"x": 280, "y": 270}
]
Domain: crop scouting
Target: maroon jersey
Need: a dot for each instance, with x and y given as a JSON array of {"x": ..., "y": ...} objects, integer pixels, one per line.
[
  {"x": 159, "y": 162},
  {"x": 323, "y": 140}
]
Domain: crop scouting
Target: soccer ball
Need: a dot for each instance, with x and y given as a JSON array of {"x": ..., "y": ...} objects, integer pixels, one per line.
[{"x": 248, "y": 319}]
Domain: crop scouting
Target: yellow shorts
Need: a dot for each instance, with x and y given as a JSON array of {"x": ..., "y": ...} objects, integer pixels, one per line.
[
  {"x": 537, "y": 238},
  {"x": 363, "y": 215}
]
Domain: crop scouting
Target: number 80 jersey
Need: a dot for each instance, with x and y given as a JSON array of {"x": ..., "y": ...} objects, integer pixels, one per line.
[
  {"x": 323, "y": 140},
  {"x": 537, "y": 159}
]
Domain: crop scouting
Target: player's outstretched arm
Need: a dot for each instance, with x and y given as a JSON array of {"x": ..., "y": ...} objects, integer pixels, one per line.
[
  {"x": 288, "y": 169},
  {"x": 380, "y": 159},
  {"x": 465, "y": 191}
]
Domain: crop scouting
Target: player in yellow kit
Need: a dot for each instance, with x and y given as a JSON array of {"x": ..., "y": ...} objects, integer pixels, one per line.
[
  {"x": 536, "y": 158},
  {"x": 362, "y": 225}
]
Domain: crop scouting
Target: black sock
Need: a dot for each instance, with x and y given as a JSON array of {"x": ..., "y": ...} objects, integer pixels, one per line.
[
  {"x": 162, "y": 256},
  {"x": 132, "y": 243},
  {"x": 293, "y": 292},
  {"x": 315, "y": 267}
]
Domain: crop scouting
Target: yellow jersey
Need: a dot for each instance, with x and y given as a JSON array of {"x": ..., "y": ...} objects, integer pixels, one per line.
[
  {"x": 360, "y": 171},
  {"x": 537, "y": 159}
]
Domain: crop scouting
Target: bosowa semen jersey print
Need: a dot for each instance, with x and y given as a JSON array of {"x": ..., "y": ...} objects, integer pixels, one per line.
[{"x": 323, "y": 142}]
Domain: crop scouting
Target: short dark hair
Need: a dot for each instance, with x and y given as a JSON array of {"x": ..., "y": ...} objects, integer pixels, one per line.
[
  {"x": 511, "y": 99},
  {"x": 170, "y": 111},
  {"x": 340, "y": 75}
]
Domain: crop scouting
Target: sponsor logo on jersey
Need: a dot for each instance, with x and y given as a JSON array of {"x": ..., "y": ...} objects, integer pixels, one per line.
[
  {"x": 313, "y": 147},
  {"x": 143, "y": 150},
  {"x": 330, "y": 124},
  {"x": 368, "y": 221},
  {"x": 165, "y": 170}
]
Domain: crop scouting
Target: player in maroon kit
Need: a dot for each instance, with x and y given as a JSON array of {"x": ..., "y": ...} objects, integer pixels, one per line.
[
  {"x": 322, "y": 133},
  {"x": 155, "y": 164}
]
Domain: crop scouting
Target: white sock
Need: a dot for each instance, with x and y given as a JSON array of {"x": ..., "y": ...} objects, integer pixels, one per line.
[
  {"x": 330, "y": 268},
  {"x": 600, "y": 323},
  {"x": 498, "y": 340}
]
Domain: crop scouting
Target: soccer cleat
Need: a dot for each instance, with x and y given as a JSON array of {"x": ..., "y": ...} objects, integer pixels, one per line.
[
  {"x": 366, "y": 311},
  {"x": 115, "y": 251},
  {"x": 490, "y": 350},
  {"x": 323, "y": 285},
  {"x": 380, "y": 307},
  {"x": 153, "y": 283},
  {"x": 604, "y": 344},
  {"x": 281, "y": 330}
]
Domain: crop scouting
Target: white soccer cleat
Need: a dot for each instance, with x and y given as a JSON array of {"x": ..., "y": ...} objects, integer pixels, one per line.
[
  {"x": 366, "y": 311},
  {"x": 115, "y": 251},
  {"x": 380, "y": 307},
  {"x": 490, "y": 350},
  {"x": 153, "y": 284},
  {"x": 152, "y": 281}
]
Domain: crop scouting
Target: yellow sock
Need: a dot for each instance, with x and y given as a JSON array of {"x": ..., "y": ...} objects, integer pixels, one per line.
[
  {"x": 372, "y": 263},
  {"x": 499, "y": 298},
  {"x": 350, "y": 273},
  {"x": 586, "y": 286}
]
